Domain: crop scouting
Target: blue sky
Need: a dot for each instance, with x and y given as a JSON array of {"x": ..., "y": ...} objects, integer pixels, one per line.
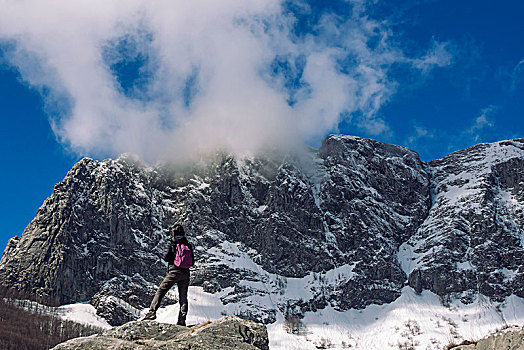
[{"x": 435, "y": 76}]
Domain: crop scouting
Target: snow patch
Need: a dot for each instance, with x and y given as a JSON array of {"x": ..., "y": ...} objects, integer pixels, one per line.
[{"x": 84, "y": 313}]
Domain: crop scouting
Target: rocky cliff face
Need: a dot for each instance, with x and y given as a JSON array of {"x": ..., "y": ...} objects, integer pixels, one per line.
[{"x": 355, "y": 221}]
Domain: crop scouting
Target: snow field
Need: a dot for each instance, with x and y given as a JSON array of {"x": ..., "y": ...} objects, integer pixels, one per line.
[{"x": 418, "y": 320}]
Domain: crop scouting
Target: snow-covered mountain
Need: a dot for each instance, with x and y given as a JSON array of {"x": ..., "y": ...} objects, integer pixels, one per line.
[{"x": 358, "y": 239}]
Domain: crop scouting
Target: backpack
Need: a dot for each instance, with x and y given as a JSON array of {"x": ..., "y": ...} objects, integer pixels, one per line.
[{"x": 183, "y": 256}]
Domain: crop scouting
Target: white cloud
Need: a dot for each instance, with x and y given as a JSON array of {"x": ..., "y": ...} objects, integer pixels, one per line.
[
  {"x": 481, "y": 123},
  {"x": 438, "y": 56},
  {"x": 516, "y": 75},
  {"x": 222, "y": 51},
  {"x": 420, "y": 132}
]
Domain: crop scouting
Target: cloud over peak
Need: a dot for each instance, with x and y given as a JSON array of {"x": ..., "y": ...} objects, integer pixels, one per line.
[{"x": 176, "y": 78}]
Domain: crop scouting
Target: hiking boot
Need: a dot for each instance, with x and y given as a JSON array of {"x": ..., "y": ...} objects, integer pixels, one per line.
[
  {"x": 181, "y": 323},
  {"x": 151, "y": 315}
]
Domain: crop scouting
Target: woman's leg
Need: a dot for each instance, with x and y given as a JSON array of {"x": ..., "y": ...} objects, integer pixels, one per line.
[
  {"x": 167, "y": 283},
  {"x": 183, "y": 286}
]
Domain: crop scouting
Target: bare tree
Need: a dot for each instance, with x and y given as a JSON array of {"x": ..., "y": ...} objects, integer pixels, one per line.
[
  {"x": 293, "y": 324},
  {"x": 25, "y": 326}
]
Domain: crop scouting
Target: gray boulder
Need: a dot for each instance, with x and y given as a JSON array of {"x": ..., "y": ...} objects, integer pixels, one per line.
[
  {"x": 229, "y": 332},
  {"x": 510, "y": 338}
]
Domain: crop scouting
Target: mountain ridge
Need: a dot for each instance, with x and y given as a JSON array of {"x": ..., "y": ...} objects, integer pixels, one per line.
[{"x": 358, "y": 223}]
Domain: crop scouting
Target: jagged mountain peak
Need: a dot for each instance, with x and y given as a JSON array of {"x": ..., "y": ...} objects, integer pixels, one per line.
[{"x": 355, "y": 221}]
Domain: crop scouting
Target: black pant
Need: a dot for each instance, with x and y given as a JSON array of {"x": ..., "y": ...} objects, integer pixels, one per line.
[{"x": 181, "y": 278}]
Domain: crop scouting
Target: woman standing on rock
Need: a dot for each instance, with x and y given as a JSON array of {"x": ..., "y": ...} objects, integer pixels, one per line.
[{"x": 180, "y": 258}]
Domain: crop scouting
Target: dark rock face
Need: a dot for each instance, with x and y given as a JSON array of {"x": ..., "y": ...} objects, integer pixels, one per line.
[
  {"x": 87, "y": 233},
  {"x": 228, "y": 333},
  {"x": 374, "y": 198},
  {"x": 354, "y": 221}
]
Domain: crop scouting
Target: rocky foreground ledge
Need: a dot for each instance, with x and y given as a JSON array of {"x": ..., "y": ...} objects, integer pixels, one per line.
[
  {"x": 510, "y": 338},
  {"x": 229, "y": 332}
]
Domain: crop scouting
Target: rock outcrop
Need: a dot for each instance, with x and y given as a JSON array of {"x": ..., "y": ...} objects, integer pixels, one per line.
[
  {"x": 510, "y": 338},
  {"x": 227, "y": 333}
]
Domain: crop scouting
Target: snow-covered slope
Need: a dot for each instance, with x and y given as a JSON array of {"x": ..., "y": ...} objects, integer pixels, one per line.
[
  {"x": 360, "y": 240},
  {"x": 472, "y": 240}
]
